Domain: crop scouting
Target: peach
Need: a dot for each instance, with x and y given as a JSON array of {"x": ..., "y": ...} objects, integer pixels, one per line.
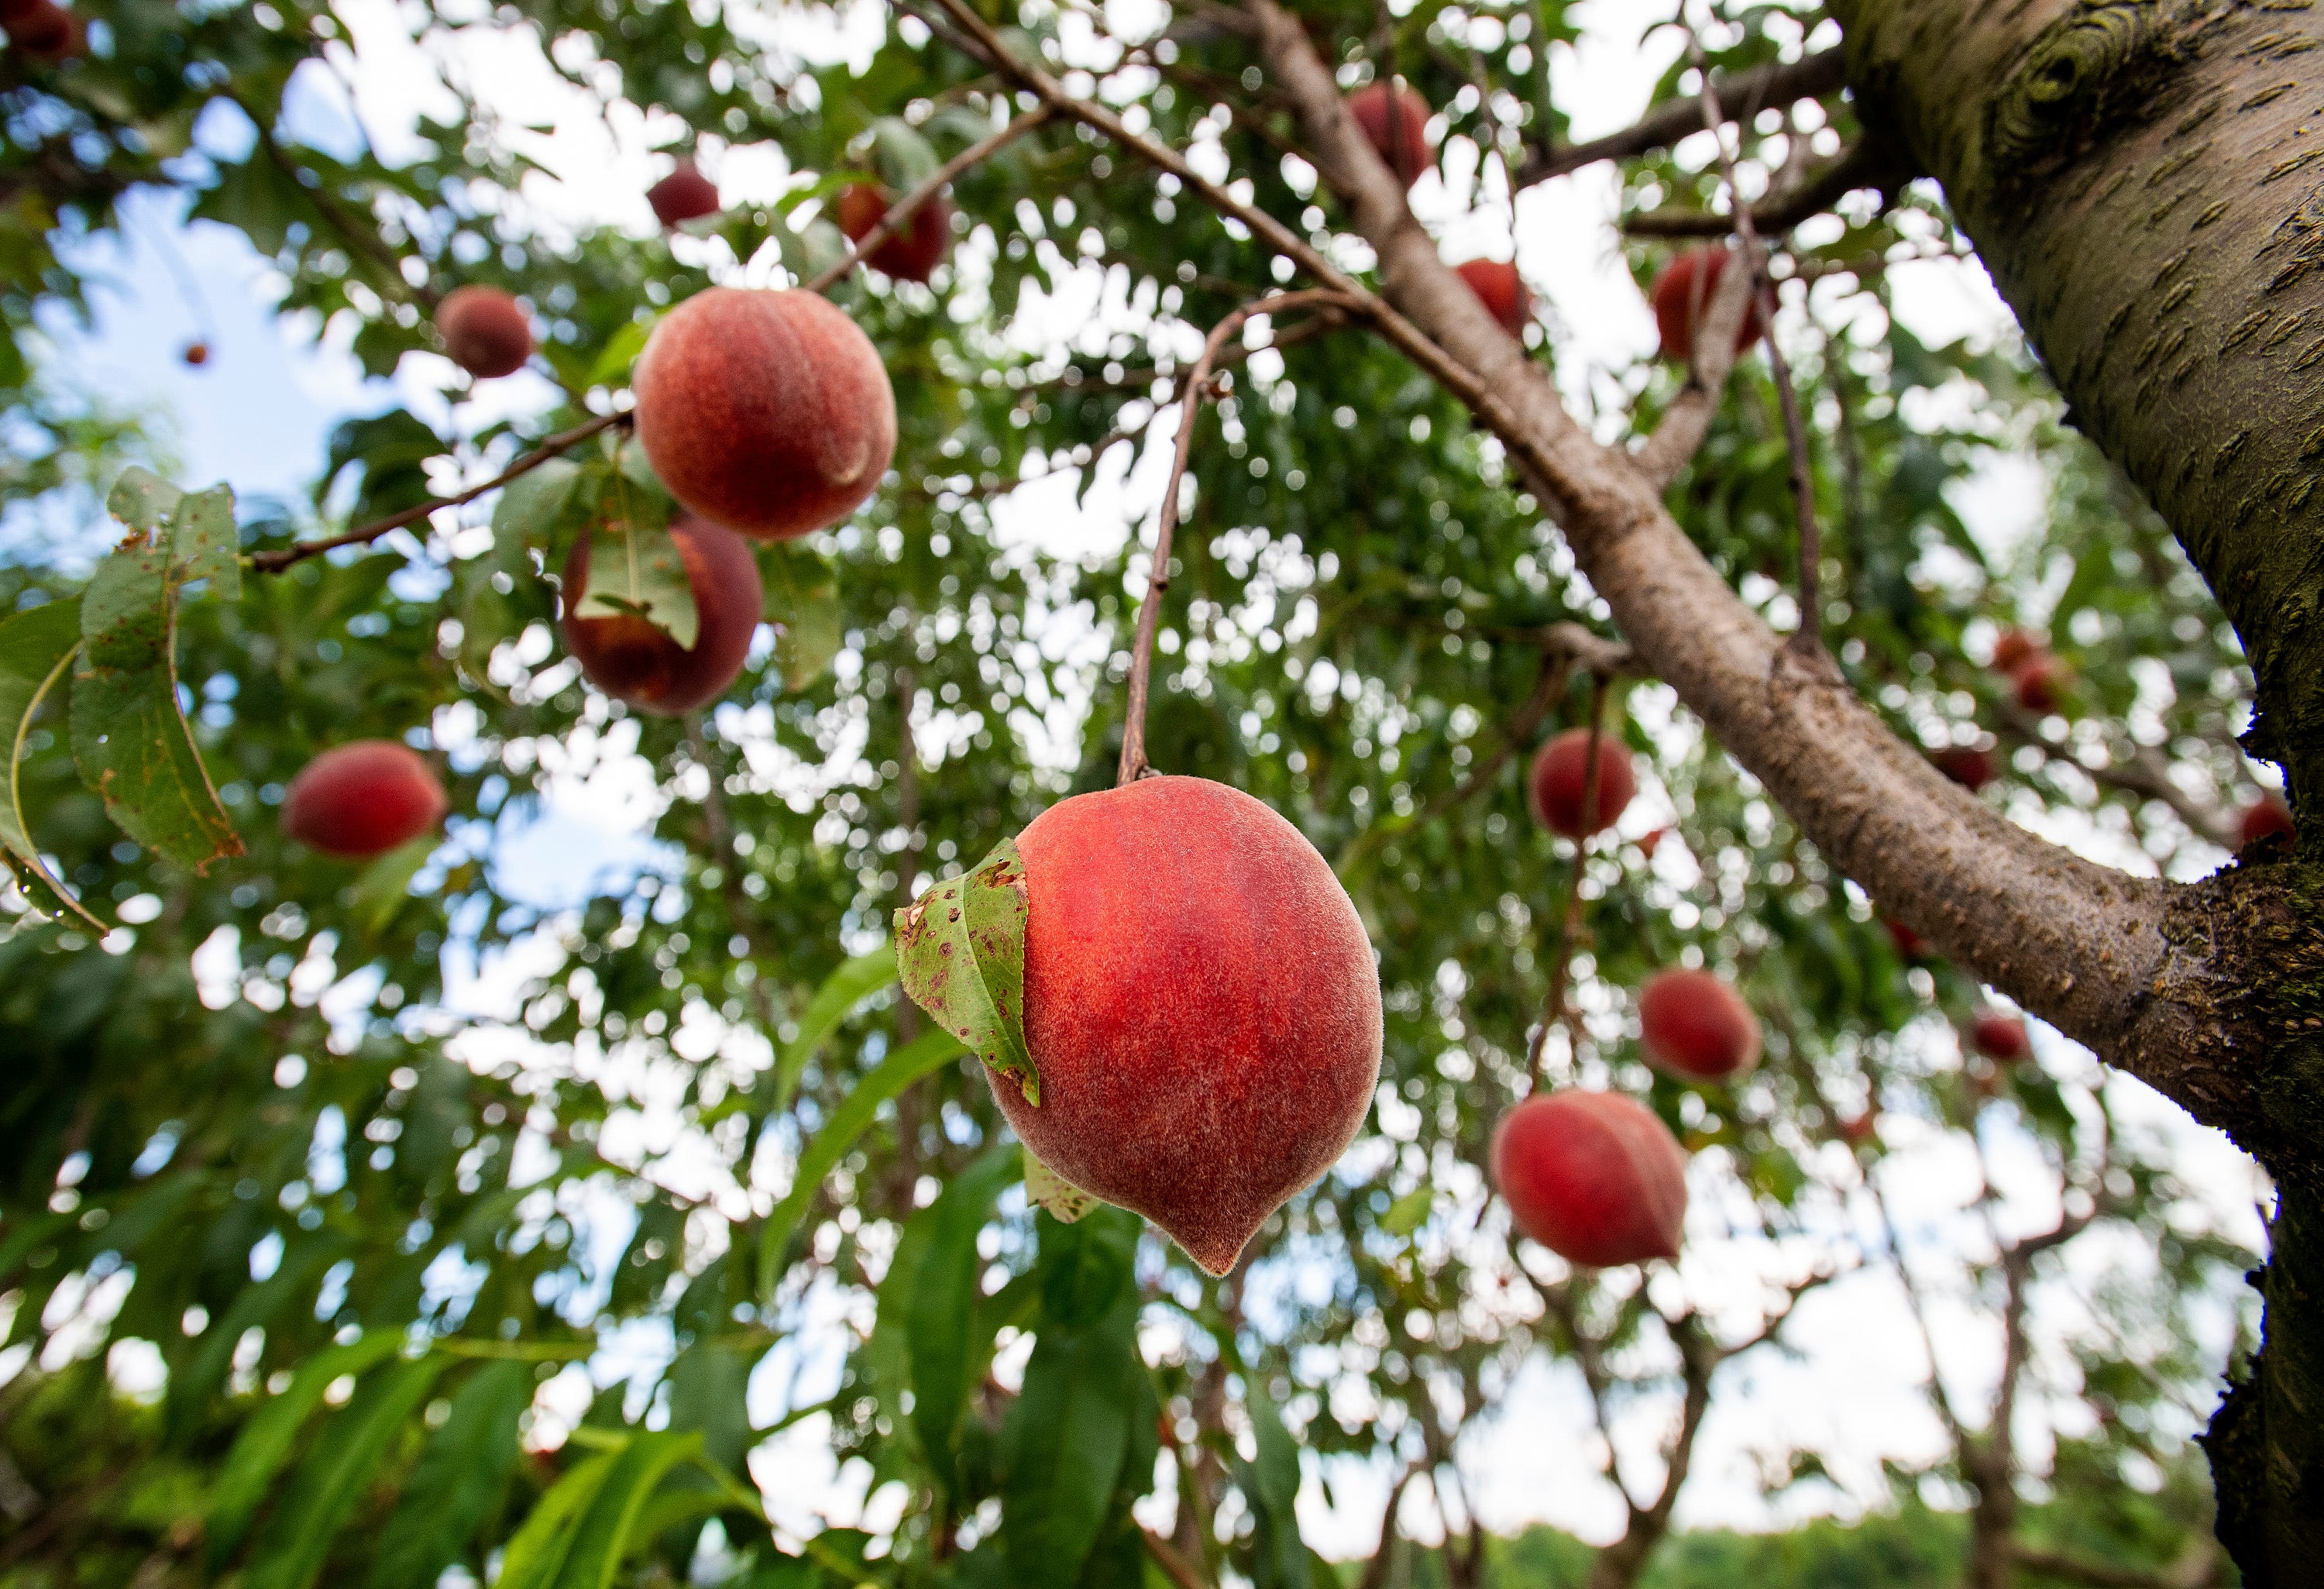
[
  {"x": 1202, "y": 1005},
  {"x": 1966, "y": 764},
  {"x": 909, "y": 254},
  {"x": 685, "y": 195},
  {"x": 633, "y": 661},
  {"x": 362, "y": 799},
  {"x": 1999, "y": 1035},
  {"x": 2039, "y": 683},
  {"x": 1677, "y": 301},
  {"x": 1561, "y": 773},
  {"x": 1694, "y": 1023},
  {"x": 1412, "y": 155},
  {"x": 46, "y": 31},
  {"x": 484, "y": 330},
  {"x": 1596, "y": 1177},
  {"x": 196, "y": 353},
  {"x": 2015, "y": 649},
  {"x": 1502, "y": 291},
  {"x": 766, "y": 412},
  {"x": 1909, "y": 944},
  {"x": 2265, "y": 817}
]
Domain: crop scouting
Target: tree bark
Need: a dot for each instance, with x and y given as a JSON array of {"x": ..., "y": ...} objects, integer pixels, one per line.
[
  {"x": 2207, "y": 992},
  {"x": 2145, "y": 181}
]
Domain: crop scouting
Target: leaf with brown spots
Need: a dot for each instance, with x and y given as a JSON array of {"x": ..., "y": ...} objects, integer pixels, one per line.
[{"x": 960, "y": 954}]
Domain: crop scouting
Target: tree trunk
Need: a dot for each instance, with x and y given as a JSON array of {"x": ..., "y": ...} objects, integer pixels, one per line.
[{"x": 2145, "y": 182}]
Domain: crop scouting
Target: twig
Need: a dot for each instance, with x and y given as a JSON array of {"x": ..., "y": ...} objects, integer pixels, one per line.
[
  {"x": 362, "y": 241},
  {"x": 1809, "y": 636},
  {"x": 1808, "y": 77},
  {"x": 909, "y": 205},
  {"x": 1134, "y": 765},
  {"x": 1862, "y": 164},
  {"x": 1569, "y": 924},
  {"x": 556, "y": 446},
  {"x": 1174, "y": 1566}
]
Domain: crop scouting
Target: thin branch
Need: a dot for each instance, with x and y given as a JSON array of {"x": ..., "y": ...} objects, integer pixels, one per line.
[
  {"x": 1569, "y": 924},
  {"x": 1687, "y": 421},
  {"x": 910, "y": 204},
  {"x": 2197, "y": 1568},
  {"x": 1174, "y": 1566},
  {"x": 1938, "y": 1394},
  {"x": 1811, "y": 77},
  {"x": 556, "y": 446},
  {"x": 2145, "y": 774},
  {"x": 1809, "y": 636},
  {"x": 1134, "y": 765},
  {"x": 1868, "y": 162},
  {"x": 361, "y": 239}
]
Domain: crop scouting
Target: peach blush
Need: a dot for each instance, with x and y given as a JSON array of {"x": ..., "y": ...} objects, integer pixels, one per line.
[
  {"x": 1596, "y": 1177},
  {"x": 362, "y": 799}
]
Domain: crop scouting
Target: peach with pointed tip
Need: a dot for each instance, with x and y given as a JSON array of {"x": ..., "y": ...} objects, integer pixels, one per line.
[
  {"x": 1502, "y": 291},
  {"x": 911, "y": 253},
  {"x": 1560, "y": 781},
  {"x": 766, "y": 412},
  {"x": 632, "y": 660},
  {"x": 1678, "y": 299},
  {"x": 362, "y": 799},
  {"x": 685, "y": 195},
  {"x": 485, "y": 331},
  {"x": 1596, "y": 1177},
  {"x": 1410, "y": 155},
  {"x": 1695, "y": 1024},
  {"x": 1200, "y": 1003}
]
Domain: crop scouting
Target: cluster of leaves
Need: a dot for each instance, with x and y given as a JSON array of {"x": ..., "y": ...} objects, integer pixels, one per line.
[{"x": 376, "y": 1221}]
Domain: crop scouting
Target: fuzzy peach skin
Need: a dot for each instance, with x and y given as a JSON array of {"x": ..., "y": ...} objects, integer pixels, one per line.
[
  {"x": 768, "y": 413},
  {"x": 1561, "y": 775},
  {"x": 362, "y": 799},
  {"x": 1596, "y": 1177},
  {"x": 485, "y": 331},
  {"x": 1200, "y": 1003},
  {"x": 633, "y": 661},
  {"x": 1696, "y": 1025}
]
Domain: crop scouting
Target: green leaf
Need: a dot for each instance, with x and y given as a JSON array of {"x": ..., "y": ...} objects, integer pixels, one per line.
[
  {"x": 392, "y": 450},
  {"x": 960, "y": 951},
  {"x": 1271, "y": 1484},
  {"x": 381, "y": 889},
  {"x": 803, "y": 604},
  {"x": 708, "y": 1382},
  {"x": 324, "y": 1492},
  {"x": 945, "y": 1294},
  {"x": 1408, "y": 1213},
  {"x": 905, "y": 158},
  {"x": 855, "y": 981},
  {"x": 1045, "y": 1188},
  {"x": 36, "y": 646},
  {"x": 602, "y": 1536},
  {"x": 254, "y": 1306},
  {"x": 143, "y": 500},
  {"x": 207, "y": 545},
  {"x": 132, "y": 742},
  {"x": 620, "y": 352},
  {"x": 638, "y": 571},
  {"x": 536, "y": 1553},
  {"x": 264, "y": 1443},
  {"x": 928, "y": 1052},
  {"x": 530, "y": 509},
  {"x": 460, "y": 1479}
]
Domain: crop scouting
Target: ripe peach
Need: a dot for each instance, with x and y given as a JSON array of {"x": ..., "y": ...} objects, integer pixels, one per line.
[
  {"x": 1999, "y": 1035},
  {"x": 1596, "y": 1177},
  {"x": 1856, "y": 1129},
  {"x": 485, "y": 331},
  {"x": 909, "y": 254},
  {"x": 1502, "y": 291},
  {"x": 768, "y": 413},
  {"x": 2015, "y": 649},
  {"x": 2039, "y": 682},
  {"x": 685, "y": 195},
  {"x": 1412, "y": 155},
  {"x": 47, "y": 32},
  {"x": 1909, "y": 944},
  {"x": 362, "y": 799},
  {"x": 1968, "y": 765},
  {"x": 1695, "y": 1024},
  {"x": 631, "y": 659},
  {"x": 2265, "y": 817},
  {"x": 1677, "y": 301},
  {"x": 197, "y": 353},
  {"x": 1200, "y": 1003},
  {"x": 1561, "y": 773}
]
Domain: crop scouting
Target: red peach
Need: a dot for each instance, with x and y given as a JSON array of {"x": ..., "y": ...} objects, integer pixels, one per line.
[
  {"x": 484, "y": 330},
  {"x": 768, "y": 413},
  {"x": 1677, "y": 301},
  {"x": 362, "y": 799},
  {"x": 48, "y": 32},
  {"x": 685, "y": 195},
  {"x": 13, "y": 13},
  {"x": 1596, "y": 1177},
  {"x": 1200, "y": 1003},
  {"x": 1502, "y": 291},
  {"x": 1695, "y": 1024},
  {"x": 1856, "y": 1129},
  {"x": 1909, "y": 944},
  {"x": 1412, "y": 155},
  {"x": 197, "y": 353},
  {"x": 1968, "y": 765},
  {"x": 910, "y": 255},
  {"x": 2039, "y": 682},
  {"x": 1999, "y": 1035},
  {"x": 1561, "y": 773},
  {"x": 2265, "y": 817},
  {"x": 2015, "y": 649},
  {"x": 631, "y": 659}
]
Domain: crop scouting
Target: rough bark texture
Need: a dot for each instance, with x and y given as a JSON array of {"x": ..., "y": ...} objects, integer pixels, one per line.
[{"x": 2146, "y": 183}]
